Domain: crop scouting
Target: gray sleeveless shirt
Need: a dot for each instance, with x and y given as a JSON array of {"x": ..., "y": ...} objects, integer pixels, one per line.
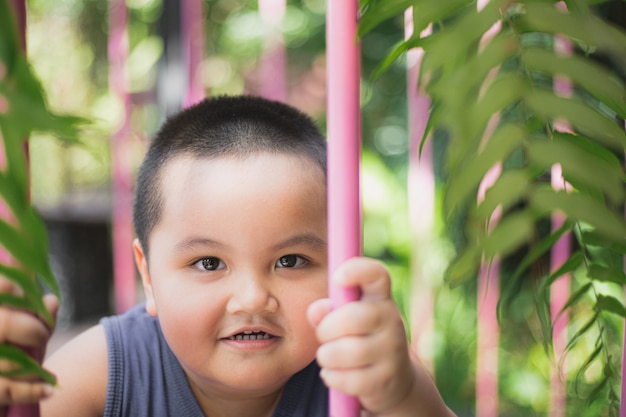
[{"x": 146, "y": 379}]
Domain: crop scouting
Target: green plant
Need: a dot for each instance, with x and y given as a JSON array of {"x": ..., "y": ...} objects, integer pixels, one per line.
[
  {"x": 23, "y": 234},
  {"x": 455, "y": 74}
]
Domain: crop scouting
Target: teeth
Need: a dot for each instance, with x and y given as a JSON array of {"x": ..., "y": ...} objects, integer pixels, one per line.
[{"x": 250, "y": 335}]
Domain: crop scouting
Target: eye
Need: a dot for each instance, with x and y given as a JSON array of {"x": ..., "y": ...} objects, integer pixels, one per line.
[
  {"x": 210, "y": 263},
  {"x": 290, "y": 261}
]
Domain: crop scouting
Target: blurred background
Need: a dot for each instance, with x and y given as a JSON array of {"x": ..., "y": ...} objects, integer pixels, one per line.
[{"x": 68, "y": 43}]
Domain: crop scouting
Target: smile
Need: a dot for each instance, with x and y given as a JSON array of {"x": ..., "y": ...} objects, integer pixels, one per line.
[{"x": 251, "y": 335}]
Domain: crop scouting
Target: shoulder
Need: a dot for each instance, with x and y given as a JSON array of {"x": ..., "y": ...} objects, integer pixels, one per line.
[{"x": 81, "y": 368}]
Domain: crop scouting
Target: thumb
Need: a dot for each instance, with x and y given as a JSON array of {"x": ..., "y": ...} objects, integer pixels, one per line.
[{"x": 367, "y": 274}]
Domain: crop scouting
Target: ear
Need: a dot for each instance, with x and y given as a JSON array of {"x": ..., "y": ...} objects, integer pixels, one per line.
[{"x": 142, "y": 265}]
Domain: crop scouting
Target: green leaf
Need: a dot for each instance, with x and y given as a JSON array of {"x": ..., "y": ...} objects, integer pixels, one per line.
[
  {"x": 586, "y": 28},
  {"x": 32, "y": 222},
  {"x": 580, "y": 207},
  {"x": 587, "y": 363},
  {"x": 509, "y": 189},
  {"x": 597, "y": 80},
  {"x": 426, "y": 12},
  {"x": 542, "y": 247},
  {"x": 574, "y": 298},
  {"x": 449, "y": 48},
  {"x": 26, "y": 366},
  {"x": 24, "y": 252},
  {"x": 12, "y": 195},
  {"x": 570, "y": 265},
  {"x": 593, "y": 238},
  {"x": 578, "y": 163},
  {"x": 602, "y": 273},
  {"x": 578, "y": 114},
  {"x": 464, "y": 181},
  {"x": 396, "y": 52},
  {"x": 581, "y": 332},
  {"x": 512, "y": 231},
  {"x": 379, "y": 11},
  {"x": 464, "y": 266},
  {"x": 9, "y": 44},
  {"x": 611, "y": 305}
]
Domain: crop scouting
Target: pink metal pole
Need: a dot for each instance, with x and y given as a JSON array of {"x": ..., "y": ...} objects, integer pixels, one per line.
[
  {"x": 273, "y": 61},
  {"x": 488, "y": 330},
  {"x": 421, "y": 195},
  {"x": 193, "y": 49},
  {"x": 343, "y": 119},
  {"x": 560, "y": 290},
  {"x": 123, "y": 267}
]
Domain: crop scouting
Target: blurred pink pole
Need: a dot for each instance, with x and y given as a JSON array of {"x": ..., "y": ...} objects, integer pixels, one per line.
[
  {"x": 17, "y": 410},
  {"x": 123, "y": 266},
  {"x": 344, "y": 145},
  {"x": 560, "y": 289},
  {"x": 421, "y": 194},
  {"x": 488, "y": 330},
  {"x": 273, "y": 61},
  {"x": 193, "y": 49}
]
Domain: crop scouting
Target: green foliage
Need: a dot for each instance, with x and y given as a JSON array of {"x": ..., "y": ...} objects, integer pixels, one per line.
[
  {"x": 23, "y": 235},
  {"x": 509, "y": 79}
]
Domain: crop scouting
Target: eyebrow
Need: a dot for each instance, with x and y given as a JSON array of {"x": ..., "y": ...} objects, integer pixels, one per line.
[
  {"x": 194, "y": 242},
  {"x": 307, "y": 239}
]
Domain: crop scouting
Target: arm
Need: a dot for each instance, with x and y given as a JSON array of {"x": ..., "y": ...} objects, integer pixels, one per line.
[
  {"x": 81, "y": 367},
  {"x": 364, "y": 350}
]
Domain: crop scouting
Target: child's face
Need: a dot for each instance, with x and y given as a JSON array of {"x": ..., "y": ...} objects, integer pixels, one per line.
[{"x": 240, "y": 247}]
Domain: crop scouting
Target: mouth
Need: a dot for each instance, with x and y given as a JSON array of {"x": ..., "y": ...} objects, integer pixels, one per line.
[{"x": 251, "y": 335}]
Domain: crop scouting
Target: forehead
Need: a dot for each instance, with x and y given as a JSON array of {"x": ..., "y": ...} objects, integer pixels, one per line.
[{"x": 240, "y": 196}]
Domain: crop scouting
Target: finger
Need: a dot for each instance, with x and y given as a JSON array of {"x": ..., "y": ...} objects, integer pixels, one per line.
[
  {"x": 7, "y": 287},
  {"x": 318, "y": 310},
  {"x": 354, "y": 382},
  {"x": 348, "y": 353},
  {"x": 20, "y": 392},
  {"x": 22, "y": 328},
  {"x": 51, "y": 302},
  {"x": 367, "y": 274},
  {"x": 359, "y": 319}
]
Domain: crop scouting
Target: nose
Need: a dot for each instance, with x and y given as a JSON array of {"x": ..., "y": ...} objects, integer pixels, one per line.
[{"x": 252, "y": 295}]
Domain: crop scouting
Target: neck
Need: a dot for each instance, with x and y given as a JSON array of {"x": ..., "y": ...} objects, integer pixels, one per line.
[{"x": 219, "y": 405}]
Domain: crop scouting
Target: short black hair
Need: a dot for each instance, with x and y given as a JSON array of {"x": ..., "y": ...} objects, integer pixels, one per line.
[{"x": 225, "y": 126}]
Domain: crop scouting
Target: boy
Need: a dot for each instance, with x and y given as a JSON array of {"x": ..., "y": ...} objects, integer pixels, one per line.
[{"x": 230, "y": 216}]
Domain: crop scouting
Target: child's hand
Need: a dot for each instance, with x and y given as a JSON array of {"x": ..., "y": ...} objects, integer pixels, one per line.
[
  {"x": 364, "y": 351},
  {"x": 23, "y": 329}
]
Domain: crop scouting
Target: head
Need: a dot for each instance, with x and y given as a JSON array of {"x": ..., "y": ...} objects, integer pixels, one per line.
[
  {"x": 222, "y": 127},
  {"x": 231, "y": 204}
]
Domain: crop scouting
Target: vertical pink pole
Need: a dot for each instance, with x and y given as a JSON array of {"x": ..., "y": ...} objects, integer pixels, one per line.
[
  {"x": 343, "y": 119},
  {"x": 193, "y": 49},
  {"x": 560, "y": 290},
  {"x": 488, "y": 330},
  {"x": 421, "y": 195},
  {"x": 273, "y": 61},
  {"x": 123, "y": 267}
]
